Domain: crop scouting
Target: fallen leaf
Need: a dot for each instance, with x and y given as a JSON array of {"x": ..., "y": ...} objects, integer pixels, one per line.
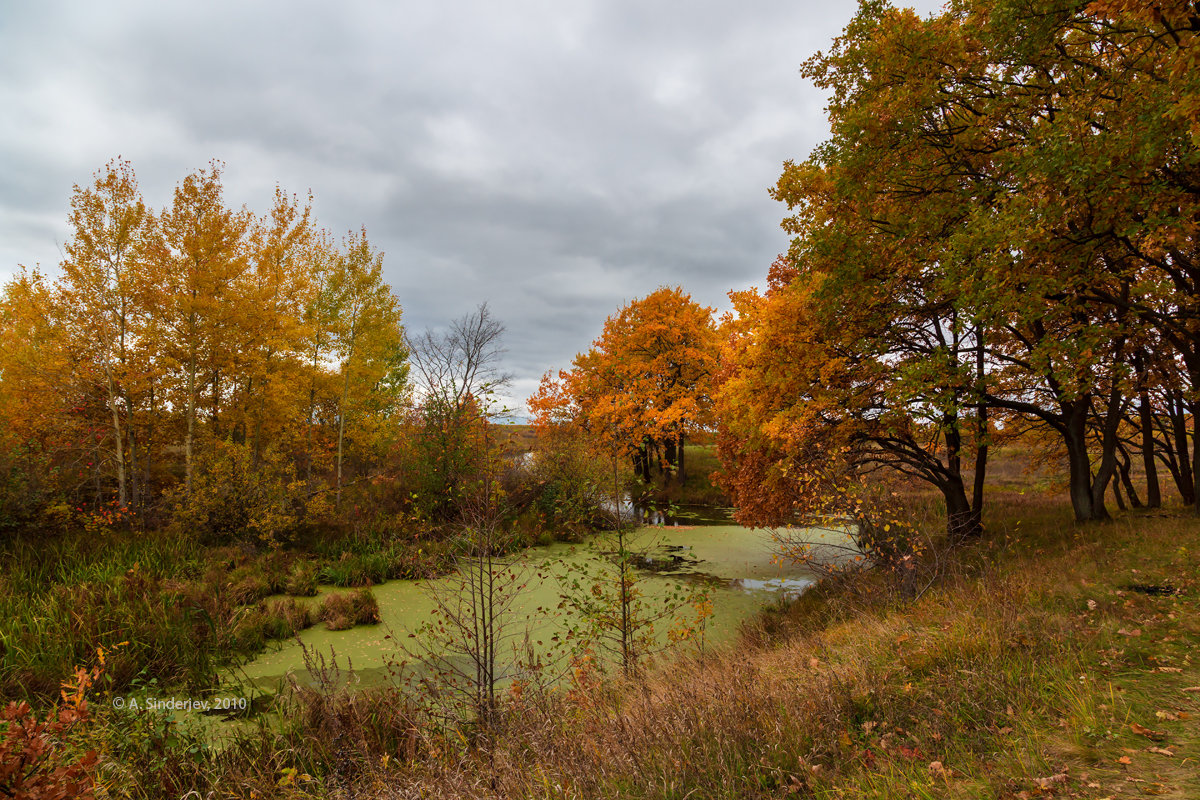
[
  {"x": 1124, "y": 760},
  {"x": 1184, "y": 715},
  {"x": 1134, "y": 632},
  {"x": 1192, "y": 689},
  {"x": 1092, "y": 605},
  {"x": 1046, "y": 783},
  {"x": 1168, "y": 669},
  {"x": 1162, "y": 751},
  {"x": 1142, "y": 730},
  {"x": 1167, "y": 715}
]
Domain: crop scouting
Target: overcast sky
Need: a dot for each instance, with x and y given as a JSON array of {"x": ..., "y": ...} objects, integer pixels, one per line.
[{"x": 554, "y": 158}]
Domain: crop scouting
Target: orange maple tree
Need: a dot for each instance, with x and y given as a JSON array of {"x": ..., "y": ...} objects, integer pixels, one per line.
[{"x": 644, "y": 386}]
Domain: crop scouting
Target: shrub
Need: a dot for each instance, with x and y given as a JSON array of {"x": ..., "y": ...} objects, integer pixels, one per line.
[
  {"x": 296, "y": 615},
  {"x": 278, "y": 619},
  {"x": 232, "y": 500},
  {"x": 564, "y": 482},
  {"x": 32, "y": 764}
]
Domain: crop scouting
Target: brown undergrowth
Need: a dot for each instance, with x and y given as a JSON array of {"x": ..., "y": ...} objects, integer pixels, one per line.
[{"x": 1049, "y": 660}]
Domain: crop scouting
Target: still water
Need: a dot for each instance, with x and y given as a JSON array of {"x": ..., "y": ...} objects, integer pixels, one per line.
[{"x": 736, "y": 565}]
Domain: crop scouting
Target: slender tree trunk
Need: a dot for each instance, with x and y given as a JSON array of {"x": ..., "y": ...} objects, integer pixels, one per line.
[
  {"x": 624, "y": 589},
  {"x": 1116, "y": 487},
  {"x": 189, "y": 440},
  {"x": 342, "y": 430},
  {"x": 149, "y": 475},
  {"x": 216, "y": 403},
  {"x": 119, "y": 440},
  {"x": 1186, "y": 481},
  {"x": 1123, "y": 467},
  {"x": 1108, "y": 447},
  {"x": 1113, "y": 414},
  {"x": 1146, "y": 423},
  {"x": 135, "y": 482},
  {"x": 981, "y": 435},
  {"x": 1195, "y": 409},
  {"x": 682, "y": 470}
]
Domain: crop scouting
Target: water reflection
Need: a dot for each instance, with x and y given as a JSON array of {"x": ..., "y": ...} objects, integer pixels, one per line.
[
  {"x": 670, "y": 515},
  {"x": 787, "y": 587}
]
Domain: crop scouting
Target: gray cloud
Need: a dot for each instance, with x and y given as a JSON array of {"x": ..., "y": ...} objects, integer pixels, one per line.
[{"x": 556, "y": 159}]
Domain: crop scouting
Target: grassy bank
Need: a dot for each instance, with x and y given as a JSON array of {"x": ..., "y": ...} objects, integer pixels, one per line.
[
  {"x": 699, "y": 487},
  {"x": 1048, "y": 660}
]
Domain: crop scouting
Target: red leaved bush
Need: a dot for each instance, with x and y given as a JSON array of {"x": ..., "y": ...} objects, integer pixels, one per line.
[{"x": 32, "y": 763}]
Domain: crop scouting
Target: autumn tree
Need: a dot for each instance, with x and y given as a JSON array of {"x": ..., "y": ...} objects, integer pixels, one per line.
[
  {"x": 368, "y": 340},
  {"x": 201, "y": 265},
  {"x": 281, "y": 288},
  {"x": 646, "y": 379},
  {"x": 242, "y": 338},
  {"x": 967, "y": 242},
  {"x": 44, "y": 436},
  {"x": 103, "y": 294}
]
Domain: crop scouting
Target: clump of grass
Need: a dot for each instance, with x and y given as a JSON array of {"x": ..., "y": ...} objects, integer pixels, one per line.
[
  {"x": 249, "y": 585},
  {"x": 278, "y": 619},
  {"x": 340, "y": 611},
  {"x": 302, "y": 579},
  {"x": 295, "y": 615}
]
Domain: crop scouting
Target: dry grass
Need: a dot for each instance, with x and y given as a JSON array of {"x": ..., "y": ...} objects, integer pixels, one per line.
[
  {"x": 342, "y": 610},
  {"x": 1002, "y": 681}
]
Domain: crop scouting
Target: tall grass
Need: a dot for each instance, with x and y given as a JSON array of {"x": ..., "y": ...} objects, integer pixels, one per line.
[{"x": 161, "y": 608}]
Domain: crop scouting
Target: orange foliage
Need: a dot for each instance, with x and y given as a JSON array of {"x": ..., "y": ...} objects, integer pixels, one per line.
[{"x": 647, "y": 376}]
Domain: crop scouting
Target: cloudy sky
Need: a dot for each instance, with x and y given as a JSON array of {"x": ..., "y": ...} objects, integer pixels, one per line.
[{"x": 555, "y": 158}]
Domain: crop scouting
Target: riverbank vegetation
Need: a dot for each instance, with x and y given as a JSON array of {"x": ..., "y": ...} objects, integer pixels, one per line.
[{"x": 1047, "y": 660}]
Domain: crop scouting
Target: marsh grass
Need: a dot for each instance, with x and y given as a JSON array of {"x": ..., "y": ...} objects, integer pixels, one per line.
[
  {"x": 342, "y": 610},
  {"x": 165, "y": 608}
]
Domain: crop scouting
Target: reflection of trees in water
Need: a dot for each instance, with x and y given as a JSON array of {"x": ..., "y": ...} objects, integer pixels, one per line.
[{"x": 653, "y": 515}]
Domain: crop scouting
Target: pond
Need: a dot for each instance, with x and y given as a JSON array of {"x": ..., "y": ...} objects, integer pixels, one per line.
[{"x": 735, "y": 565}]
